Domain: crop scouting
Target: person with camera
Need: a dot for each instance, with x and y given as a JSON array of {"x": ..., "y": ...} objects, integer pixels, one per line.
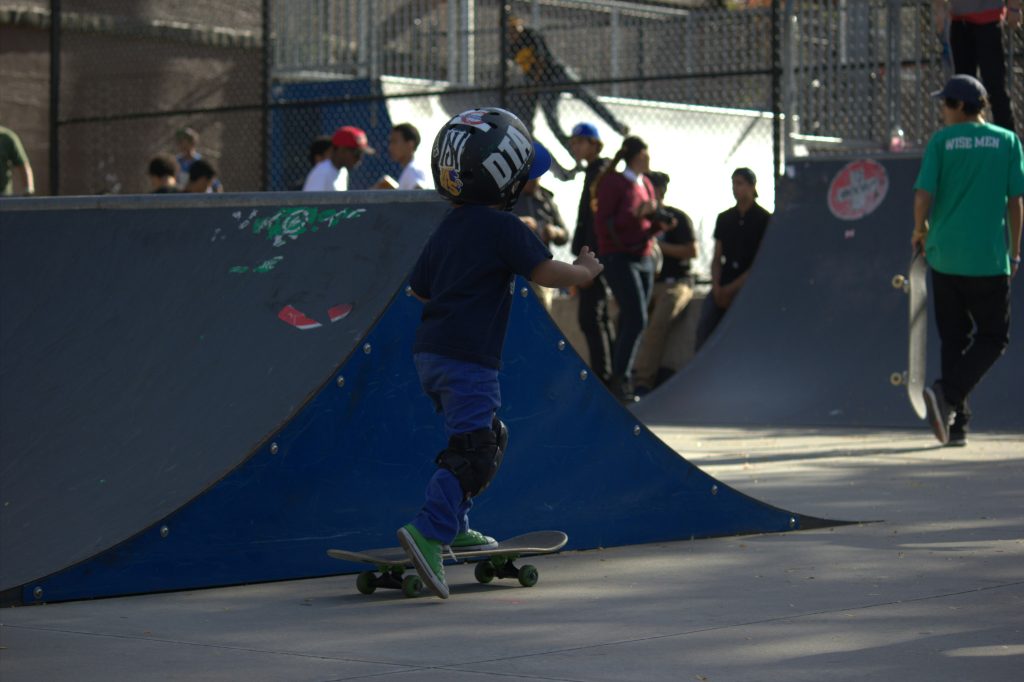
[{"x": 625, "y": 236}]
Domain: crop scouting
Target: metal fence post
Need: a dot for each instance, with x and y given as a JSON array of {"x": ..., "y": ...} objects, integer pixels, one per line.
[
  {"x": 893, "y": 75},
  {"x": 467, "y": 51},
  {"x": 776, "y": 90},
  {"x": 265, "y": 96},
  {"x": 787, "y": 22},
  {"x": 503, "y": 17},
  {"x": 363, "y": 44},
  {"x": 55, "y": 20},
  {"x": 616, "y": 49},
  {"x": 453, "y": 42}
]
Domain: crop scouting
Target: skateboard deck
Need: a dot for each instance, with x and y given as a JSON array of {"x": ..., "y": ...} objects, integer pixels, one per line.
[
  {"x": 915, "y": 285},
  {"x": 497, "y": 562}
]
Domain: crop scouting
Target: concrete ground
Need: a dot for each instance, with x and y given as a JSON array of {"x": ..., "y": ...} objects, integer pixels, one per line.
[{"x": 933, "y": 591}]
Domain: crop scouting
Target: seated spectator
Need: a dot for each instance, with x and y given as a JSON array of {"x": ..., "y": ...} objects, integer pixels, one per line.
[
  {"x": 738, "y": 234},
  {"x": 403, "y": 142},
  {"x": 14, "y": 165},
  {"x": 319, "y": 149},
  {"x": 163, "y": 174},
  {"x": 673, "y": 288},
  {"x": 187, "y": 140},
  {"x": 348, "y": 145},
  {"x": 201, "y": 176}
]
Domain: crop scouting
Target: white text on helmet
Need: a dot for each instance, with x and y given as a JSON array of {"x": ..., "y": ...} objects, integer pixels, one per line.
[{"x": 513, "y": 153}]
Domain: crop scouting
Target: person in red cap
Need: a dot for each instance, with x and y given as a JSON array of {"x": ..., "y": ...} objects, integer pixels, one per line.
[{"x": 348, "y": 144}]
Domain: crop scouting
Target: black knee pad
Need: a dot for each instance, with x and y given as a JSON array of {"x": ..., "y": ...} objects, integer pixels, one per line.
[
  {"x": 474, "y": 458},
  {"x": 501, "y": 433}
]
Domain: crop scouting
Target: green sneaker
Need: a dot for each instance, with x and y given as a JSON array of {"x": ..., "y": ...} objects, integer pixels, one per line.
[
  {"x": 425, "y": 555},
  {"x": 472, "y": 539}
]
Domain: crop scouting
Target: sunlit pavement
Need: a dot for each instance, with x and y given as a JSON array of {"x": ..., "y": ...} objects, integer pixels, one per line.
[{"x": 933, "y": 589}]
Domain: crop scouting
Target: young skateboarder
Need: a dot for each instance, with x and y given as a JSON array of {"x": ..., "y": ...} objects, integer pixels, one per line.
[
  {"x": 465, "y": 277},
  {"x": 971, "y": 179}
]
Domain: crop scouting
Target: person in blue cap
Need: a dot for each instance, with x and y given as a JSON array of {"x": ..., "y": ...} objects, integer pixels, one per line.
[
  {"x": 967, "y": 218},
  {"x": 593, "y": 314},
  {"x": 465, "y": 277}
]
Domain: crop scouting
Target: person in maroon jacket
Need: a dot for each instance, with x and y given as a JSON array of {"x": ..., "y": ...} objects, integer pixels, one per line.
[{"x": 622, "y": 220}]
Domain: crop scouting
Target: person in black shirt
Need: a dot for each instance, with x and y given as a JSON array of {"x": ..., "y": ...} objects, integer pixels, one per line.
[
  {"x": 163, "y": 172},
  {"x": 738, "y": 234},
  {"x": 592, "y": 315},
  {"x": 673, "y": 288}
]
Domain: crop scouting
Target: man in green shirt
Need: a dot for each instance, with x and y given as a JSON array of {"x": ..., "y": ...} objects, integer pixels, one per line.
[
  {"x": 14, "y": 165},
  {"x": 971, "y": 181}
]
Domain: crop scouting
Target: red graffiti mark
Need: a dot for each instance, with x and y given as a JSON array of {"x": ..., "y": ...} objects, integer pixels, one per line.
[
  {"x": 297, "y": 318},
  {"x": 339, "y": 312}
]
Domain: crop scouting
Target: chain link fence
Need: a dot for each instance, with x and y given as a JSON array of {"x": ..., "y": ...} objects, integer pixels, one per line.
[
  {"x": 857, "y": 75},
  {"x": 710, "y": 85}
]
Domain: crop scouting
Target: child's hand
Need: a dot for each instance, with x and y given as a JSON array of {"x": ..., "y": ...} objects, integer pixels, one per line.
[{"x": 590, "y": 262}]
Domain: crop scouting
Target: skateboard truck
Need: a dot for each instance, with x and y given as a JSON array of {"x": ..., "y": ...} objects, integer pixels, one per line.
[
  {"x": 392, "y": 578},
  {"x": 899, "y": 378},
  {"x": 902, "y": 283},
  {"x": 504, "y": 567}
]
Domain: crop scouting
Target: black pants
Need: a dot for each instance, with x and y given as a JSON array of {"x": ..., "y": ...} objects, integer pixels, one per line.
[
  {"x": 973, "y": 317},
  {"x": 597, "y": 327},
  {"x": 980, "y": 47},
  {"x": 631, "y": 279},
  {"x": 710, "y": 316}
]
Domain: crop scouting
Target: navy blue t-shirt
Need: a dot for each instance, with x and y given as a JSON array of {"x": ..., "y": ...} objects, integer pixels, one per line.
[{"x": 467, "y": 271}]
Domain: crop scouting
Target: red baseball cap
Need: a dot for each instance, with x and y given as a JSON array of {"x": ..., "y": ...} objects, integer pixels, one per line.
[{"x": 353, "y": 138}]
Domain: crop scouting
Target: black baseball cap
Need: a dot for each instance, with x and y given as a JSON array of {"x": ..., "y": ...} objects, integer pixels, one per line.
[
  {"x": 747, "y": 175},
  {"x": 963, "y": 88}
]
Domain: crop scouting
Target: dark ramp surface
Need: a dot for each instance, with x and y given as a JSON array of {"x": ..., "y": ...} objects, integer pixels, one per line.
[
  {"x": 351, "y": 466},
  {"x": 164, "y": 428},
  {"x": 818, "y": 329},
  {"x": 148, "y": 345}
]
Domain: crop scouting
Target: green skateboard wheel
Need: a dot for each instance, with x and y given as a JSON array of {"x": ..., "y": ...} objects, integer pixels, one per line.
[
  {"x": 528, "y": 576},
  {"x": 412, "y": 585},
  {"x": 366, "y": 583},
  {"x": 484, "y": 572}
]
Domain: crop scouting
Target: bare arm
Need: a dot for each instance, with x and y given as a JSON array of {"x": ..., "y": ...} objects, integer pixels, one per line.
[
  {"x": 680, "y": 251},
  {"x": 556, "y": 274},
  {"x": 417, "y": 296},
  {"x": 922, "y": 209},
  {"x": 24, "y": 175},
  {"x": 1016, "y": 215},
  {"x": 716, "y": 264}
]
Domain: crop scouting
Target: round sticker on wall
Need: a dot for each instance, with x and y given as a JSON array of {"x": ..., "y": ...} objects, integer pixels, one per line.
[{"x": 858, "y": 189}]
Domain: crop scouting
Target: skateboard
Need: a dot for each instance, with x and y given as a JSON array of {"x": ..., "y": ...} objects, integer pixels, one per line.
[
  {"x": 915, "y": 285},
  {"x": 497, "y": 562}
]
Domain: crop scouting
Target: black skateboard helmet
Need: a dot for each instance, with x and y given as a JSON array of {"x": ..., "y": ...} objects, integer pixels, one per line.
[{"x": 482, "y": 156}]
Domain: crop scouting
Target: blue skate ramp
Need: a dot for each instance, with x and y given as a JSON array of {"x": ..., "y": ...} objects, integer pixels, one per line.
[
  {"x": 818, "y": 329},
  {"x": 149, "y": 344},
  {"x": 214, "y": 392}
]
